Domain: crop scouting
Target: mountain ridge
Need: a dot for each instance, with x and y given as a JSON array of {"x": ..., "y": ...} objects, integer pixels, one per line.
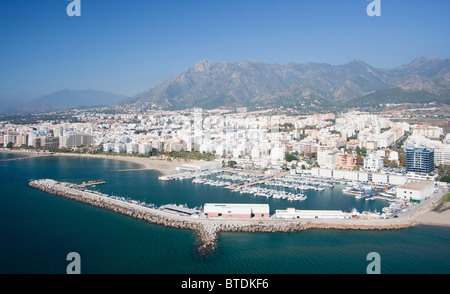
[{"x": 212, "y": 84}]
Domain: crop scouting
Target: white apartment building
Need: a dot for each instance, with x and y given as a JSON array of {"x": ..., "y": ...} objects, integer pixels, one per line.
[
  {"x": 385, "y": 139},
  {"x": 144, "y": 148},
  {"x": 373, "y": 161},
  {"x": 427, "y": 131},
  {"x": 420, "y": 141},
  {"x": 119, "y": 147},
  {"x": 107, "y": 147},
  {"x": 327, "y": 157},
  {"x": 441, "y": 151},
  {"x": 393, "y": 156},
  {"x": 278, "y": 153},
  {"x": 75, "y": 140},
  {"x": 442, "y": 155},
  {"x": 260, "y": 151},
  {"x": 132, "y": 148}
]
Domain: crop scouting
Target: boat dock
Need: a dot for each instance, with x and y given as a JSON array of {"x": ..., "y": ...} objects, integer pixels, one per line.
[
  {"x": 185, "y": 175},
  {"x": 92, "y": 183},
  {"x": 251, "y": 183},
  {"x": 208, "y": 228}
]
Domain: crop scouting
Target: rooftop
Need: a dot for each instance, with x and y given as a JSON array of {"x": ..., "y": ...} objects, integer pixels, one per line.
[
  {"x": 416, "y": 185},
  {"x": 181, "y": 209}
]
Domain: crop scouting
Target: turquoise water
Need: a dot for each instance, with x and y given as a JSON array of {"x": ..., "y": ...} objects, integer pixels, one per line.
[{"x": 38, "y": 230}]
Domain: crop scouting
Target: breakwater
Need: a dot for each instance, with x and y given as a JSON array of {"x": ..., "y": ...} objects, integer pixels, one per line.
[{"x": 208, "y": 229}]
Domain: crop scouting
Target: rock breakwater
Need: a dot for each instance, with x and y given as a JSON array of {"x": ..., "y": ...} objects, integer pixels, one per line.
[{"x": 208, "y": 230}]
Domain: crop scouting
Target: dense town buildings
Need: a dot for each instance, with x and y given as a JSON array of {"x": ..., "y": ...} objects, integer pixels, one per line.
[{"x": 251, "y": 139}]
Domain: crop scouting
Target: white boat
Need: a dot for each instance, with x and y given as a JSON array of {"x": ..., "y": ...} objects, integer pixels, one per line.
[{"x": 301, "y": 197}]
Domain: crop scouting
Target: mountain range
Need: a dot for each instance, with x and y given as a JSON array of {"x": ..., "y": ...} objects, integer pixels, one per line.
[{"x": 254, "y": 84}]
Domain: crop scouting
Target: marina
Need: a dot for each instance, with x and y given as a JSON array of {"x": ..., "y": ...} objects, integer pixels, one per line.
[
  {"x": 175, "y": 236},
  {"x": 284, "y": 186},
  {"x": 181, "y": 216}
]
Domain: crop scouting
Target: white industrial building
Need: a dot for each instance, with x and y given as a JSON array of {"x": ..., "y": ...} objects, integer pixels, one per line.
[
  {"x": 416, "y": 190},
  {"x": 229, "y": 210},
  {"x": 361, "y": 176},
  {"x": 292, "y": 213}
]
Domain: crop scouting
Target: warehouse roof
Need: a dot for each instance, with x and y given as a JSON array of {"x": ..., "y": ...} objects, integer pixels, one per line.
[{"x": 416, "y": 185}]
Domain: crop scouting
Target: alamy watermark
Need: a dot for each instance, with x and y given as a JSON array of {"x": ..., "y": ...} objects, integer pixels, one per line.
[
  {"x": 74, "y": 8},
  {"x": 374, "y": 8},
  {"x": 74, "y": 267},
  {"x": 374, "y": 267}
]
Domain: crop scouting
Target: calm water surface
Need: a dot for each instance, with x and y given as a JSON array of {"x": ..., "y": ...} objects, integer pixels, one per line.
[{"x": 38, "y": 230}]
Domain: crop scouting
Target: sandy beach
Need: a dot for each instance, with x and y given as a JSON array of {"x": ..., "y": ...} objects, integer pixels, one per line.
[
  {"x": 163, "y": 166},
  {"x": 435, "y": 217}
]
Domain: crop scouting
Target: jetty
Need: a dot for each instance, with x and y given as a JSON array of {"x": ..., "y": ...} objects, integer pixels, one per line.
[
  {"x": 129, "y": 169},
  {"x": 208, "y": 229},
  {"x": 92, "y": 183},
  {"x": 259, "y": 181},
  {"x": 28, "y": 156}
]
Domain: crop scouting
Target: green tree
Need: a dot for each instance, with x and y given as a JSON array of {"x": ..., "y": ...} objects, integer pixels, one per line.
[
  {"x": 232, "y": 163},
  {"x": 445, "y": 179},
  {"x": 361, "y": 151},
  {"x": 290, "y": 157}
]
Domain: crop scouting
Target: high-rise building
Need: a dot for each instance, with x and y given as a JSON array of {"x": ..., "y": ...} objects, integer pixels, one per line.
[
  {"x": 75, "y": 140},
  {"x": 442, "y": 155},
  {"x": 419, "y": 160},
  {"x": 327, "y": 157}
]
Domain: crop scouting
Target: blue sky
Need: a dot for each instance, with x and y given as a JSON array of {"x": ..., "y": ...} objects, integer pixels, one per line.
[{"x": 128, "y": 46}]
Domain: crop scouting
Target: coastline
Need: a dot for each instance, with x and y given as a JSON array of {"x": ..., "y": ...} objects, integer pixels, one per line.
[
  {"x": 424, "y": 216},
  {"x": 435, "y": 218},
  {"x": 208, "y": 229},
  {"x": 162, "y": 166}
]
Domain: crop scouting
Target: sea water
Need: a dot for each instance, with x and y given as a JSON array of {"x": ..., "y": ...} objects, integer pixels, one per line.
[{"x": 38, "y": 229}]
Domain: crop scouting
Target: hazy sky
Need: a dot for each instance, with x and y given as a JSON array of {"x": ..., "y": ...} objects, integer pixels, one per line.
[{"x": 127, "y": 46}]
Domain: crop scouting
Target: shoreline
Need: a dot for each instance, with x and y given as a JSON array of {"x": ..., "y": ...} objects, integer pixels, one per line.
[
  {"x": 426, "y": 217},
  {"x": 434, "y": 218},
  {"x": 208, "y": 229},
  {"x": 162, "y": 166}
]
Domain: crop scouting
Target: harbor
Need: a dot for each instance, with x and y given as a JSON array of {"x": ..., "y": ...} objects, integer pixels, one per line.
[
  {"x": 207, "y": 229},
  {"x": 285, "y": 186}
]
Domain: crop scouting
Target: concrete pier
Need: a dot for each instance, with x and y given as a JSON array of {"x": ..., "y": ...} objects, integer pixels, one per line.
[{"x": 208, "y": 229}]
